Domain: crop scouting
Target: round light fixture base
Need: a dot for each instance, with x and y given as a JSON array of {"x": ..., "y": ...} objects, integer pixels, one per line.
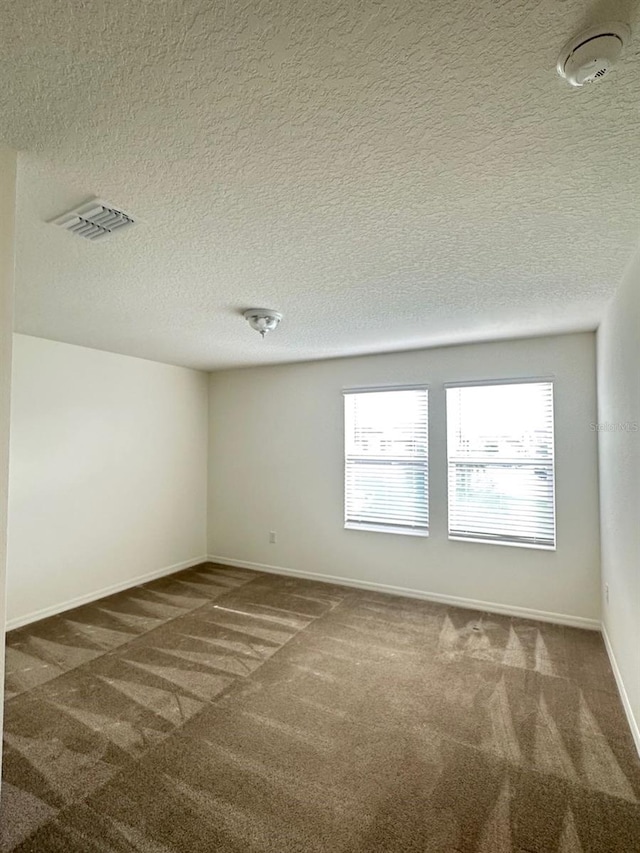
[
  {"x": 590, "y": 56},
  {"x": 263, "y": 320}
]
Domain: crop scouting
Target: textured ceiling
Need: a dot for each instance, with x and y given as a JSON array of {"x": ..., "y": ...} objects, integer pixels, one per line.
[{"x": 388, "y": 175}]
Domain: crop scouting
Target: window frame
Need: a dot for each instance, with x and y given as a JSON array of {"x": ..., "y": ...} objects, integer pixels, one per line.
[
  {"x": 422, "y": 532},
  {"x": 527, "y": 380}
]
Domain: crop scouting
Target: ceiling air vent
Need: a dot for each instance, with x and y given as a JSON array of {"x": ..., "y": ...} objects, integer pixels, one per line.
[{"x": 94, "y": 220}]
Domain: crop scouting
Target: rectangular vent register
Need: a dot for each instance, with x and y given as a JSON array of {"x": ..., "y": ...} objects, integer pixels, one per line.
[{"x": 94, "y": 220}]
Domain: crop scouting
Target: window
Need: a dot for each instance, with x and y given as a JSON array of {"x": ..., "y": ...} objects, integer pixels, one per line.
[
  {"x": 500, "y": 456},
  {"x": 386, "y": 453}
]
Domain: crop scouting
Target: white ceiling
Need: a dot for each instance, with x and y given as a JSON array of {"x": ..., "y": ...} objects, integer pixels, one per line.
[{"x": 388, "y": 175}]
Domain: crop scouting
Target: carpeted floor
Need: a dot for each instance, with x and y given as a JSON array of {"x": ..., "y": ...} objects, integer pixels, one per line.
[{"x": 223, "y": 710}]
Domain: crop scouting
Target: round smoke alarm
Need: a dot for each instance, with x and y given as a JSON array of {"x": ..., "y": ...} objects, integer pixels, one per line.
[{"x": 590, "y": 56}]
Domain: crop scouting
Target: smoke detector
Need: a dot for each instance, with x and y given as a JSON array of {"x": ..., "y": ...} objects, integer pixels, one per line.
[
  {"x": 94, "y": 220},
  {"x": 590, "y": 56},
  {"x": 263, "y": 320}
]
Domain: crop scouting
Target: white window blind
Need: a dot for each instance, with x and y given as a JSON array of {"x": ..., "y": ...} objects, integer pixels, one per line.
[
  {"x": 501, "y": 467},
  {"x": 386, "y": 460}
]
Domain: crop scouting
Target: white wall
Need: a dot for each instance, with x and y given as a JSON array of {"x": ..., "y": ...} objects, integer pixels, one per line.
[
  {"x": 276, "y": 463},
  {"x": 7, "y": 218},
  {"x": 618, "y": 346},
  {"x": 108, "y": 473}
]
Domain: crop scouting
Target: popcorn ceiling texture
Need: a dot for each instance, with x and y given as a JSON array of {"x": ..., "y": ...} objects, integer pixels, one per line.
[{"x": 388, "y": 175}]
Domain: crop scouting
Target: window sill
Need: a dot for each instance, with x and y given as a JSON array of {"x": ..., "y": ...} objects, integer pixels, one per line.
[
  {"x": 498, "y": 542},
  {"x": 380, "y": 528}
]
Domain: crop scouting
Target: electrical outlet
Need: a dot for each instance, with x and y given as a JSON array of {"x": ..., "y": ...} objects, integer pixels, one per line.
[
  {"x": 606, "y": 592},
  {"x": 272, "y": 537}
]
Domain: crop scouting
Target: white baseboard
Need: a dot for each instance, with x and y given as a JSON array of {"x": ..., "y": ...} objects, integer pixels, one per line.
[
  {"x": 453, "y": 600},
  {"x": 19, "y": 621},
  {"x": 626, "y": 704}
]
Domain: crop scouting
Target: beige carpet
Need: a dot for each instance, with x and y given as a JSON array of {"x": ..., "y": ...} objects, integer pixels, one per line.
[{"x": 222, "y": 710}]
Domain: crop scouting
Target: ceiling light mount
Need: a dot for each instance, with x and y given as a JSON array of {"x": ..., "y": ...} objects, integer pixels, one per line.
[
  {"x": 590, "y": 56},
  {"x": 263, "y": 320}
]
